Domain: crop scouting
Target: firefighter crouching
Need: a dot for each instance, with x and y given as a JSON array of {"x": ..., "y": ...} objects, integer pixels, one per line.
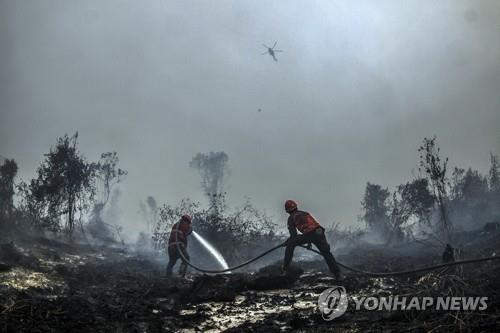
[
  {"x": 311, "y": 232},
  {"x": 179, "y": 236}
]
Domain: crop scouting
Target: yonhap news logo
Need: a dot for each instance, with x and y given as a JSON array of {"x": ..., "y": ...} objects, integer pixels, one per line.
[{"x": 333, "y": 303}]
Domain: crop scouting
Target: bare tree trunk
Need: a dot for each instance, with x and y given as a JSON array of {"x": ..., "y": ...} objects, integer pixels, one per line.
[
  {"x": 70, "y": 215},
  {"x": 444, "y": 217}
]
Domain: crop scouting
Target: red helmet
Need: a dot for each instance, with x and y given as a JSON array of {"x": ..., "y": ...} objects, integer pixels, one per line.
[
  {"x": 186, "y": 218},
  {"x": 290, "y": 206}
]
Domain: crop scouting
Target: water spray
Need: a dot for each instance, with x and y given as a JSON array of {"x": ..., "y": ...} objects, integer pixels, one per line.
[{"x": 216, "y": 254}]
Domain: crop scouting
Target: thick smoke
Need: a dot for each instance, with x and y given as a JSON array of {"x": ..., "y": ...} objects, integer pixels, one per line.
[{"x": 355, "y": 89}]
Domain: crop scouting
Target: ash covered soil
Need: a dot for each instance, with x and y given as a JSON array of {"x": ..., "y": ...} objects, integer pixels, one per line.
[{"x": 49, "y": 285}]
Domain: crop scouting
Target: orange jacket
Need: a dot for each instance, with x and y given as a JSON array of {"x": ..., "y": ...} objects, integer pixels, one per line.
[
  {"x": 303, "y": 222},
  {"x": 184, "y": 230}
]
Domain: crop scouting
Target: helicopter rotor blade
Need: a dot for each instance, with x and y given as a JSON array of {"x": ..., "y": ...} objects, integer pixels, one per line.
[
  {"x": 267, "y": 47},
  {"x": 274, "y": 44},
  {"x": 278, "y": 51},
  {"x": 264, "y": 53}
]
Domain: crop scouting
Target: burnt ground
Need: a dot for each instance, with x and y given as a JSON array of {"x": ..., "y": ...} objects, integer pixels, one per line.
[{"x": 53, "y": 286}]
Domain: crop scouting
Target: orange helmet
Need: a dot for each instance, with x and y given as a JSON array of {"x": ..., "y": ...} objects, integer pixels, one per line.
[
  {"x": 186, "y": 218},
  {"x": 290, "y": 206}
]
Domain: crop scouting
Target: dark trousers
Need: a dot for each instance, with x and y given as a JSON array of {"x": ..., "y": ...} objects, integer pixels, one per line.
[
  {"x": 173, "y": 255},
  {"x": 316, "y": 237}
]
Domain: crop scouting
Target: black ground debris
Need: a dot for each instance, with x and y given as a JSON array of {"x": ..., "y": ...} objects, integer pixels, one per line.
[{"x": 53, "y": 286}]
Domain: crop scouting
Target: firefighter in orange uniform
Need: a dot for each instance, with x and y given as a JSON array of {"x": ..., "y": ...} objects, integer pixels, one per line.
[
  {"x": 178, "y": 242},
  {"x": 311, "y": 232}
]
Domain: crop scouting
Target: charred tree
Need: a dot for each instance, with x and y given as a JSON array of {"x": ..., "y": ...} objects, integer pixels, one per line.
[
  {"x": 376, "y": 210},
  {"x": 436, "y": 171},
  {"x": 64, "y": 185},
  {"x": 8, "y": 171}
]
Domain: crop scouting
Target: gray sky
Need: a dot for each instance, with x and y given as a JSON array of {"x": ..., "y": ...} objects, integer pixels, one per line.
[{"x": 359, "y": 85}]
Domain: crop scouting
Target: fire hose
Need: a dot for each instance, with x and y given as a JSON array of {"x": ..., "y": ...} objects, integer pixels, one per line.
[
  {"x": 417, "y": 270},
  {"x": 397, "y": 273}
]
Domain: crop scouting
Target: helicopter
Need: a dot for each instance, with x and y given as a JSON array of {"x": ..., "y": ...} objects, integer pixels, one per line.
[{"x": 271, "y": 51}]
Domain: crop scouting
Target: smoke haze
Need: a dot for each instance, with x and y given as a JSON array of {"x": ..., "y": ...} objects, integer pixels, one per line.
[{"x": 358, "y": 86}]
